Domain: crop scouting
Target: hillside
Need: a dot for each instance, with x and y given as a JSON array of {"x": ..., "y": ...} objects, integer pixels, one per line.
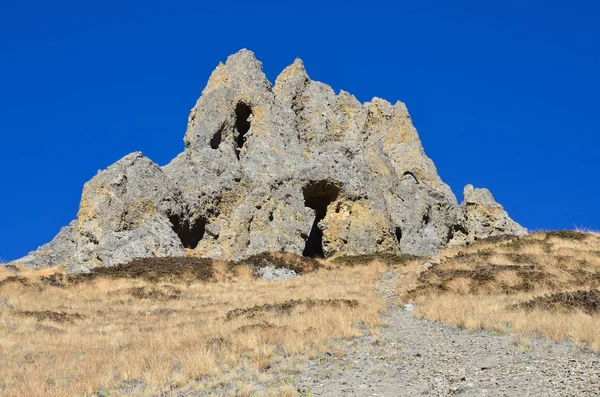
[{"x": 202, "y": 326}]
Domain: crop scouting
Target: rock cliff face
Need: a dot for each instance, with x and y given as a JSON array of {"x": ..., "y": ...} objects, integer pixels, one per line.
[{"x": 291, "y": 167}]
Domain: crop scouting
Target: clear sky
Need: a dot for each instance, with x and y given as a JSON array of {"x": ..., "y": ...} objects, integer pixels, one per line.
[{"x": 505, "y": 94}]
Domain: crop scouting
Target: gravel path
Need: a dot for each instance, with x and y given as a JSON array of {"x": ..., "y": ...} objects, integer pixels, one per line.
[{"x": 417, "y": 357}]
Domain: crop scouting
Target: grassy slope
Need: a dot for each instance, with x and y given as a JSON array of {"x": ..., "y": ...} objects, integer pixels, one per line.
[
  {"x": 202, "y": 324},
  {"x": 545, "y": 284},
  {"x": 159, "y": 324}
]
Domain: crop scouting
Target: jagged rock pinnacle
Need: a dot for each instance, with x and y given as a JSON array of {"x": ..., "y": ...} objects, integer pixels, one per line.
[{"x": 293, "y": 168}]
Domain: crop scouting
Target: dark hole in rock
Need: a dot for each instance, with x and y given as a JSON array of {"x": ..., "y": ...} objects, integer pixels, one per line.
[
  {"x": 216, "y": 139},
  {"x": 398, "y": 233},
  {"x": 426, "y": 219},
  {"x": 189, "y": 234},
  {"x": 452, "y": 231},
  {"x": 242, "y": 125},
  {"x": 318, "y": 195}
]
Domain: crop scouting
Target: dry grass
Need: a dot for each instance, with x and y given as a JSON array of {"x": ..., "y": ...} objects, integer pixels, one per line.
[
  {"x": 121, "y": 335},
  {"x": 545, "y": 284}
]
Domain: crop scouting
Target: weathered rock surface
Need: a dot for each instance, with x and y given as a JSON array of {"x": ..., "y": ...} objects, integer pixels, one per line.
[
  {"x": 293, "y": 168},
  {"x": 130, "y": 210},
  {"x": 58, "y": 252},
  {"x": 484, "y": 217}
]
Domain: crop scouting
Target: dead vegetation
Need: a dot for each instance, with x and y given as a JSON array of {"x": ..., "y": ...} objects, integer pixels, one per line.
[
  {"x": 586, "y": 301},
  {"x": 385, "y": 259},
  {"x": 544, "y": 284},
  {"x": 154, "y": 270},
  {"x": 161, "y": 324},
  {"x": 195, "y": 324},
  {"x": 59, "y": 317},
  {"x": 281, "y": 260},
  {"x": 289, "y": 305}
]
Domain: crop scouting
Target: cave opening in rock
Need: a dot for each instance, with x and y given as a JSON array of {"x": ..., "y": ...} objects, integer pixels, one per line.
[
  {"x": 242, "y": 125},
  {"x": 318, "y": 196},
  {"x": 189, "y": 232}
]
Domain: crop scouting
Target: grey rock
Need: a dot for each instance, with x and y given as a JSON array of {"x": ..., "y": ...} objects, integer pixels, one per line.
[
  {"x": 271, "y": 273},
  {"x": 292, "y": 167},
  {"x": 483, "y": 217},
  {"x": 130, "y": 210},
  {"x": 58, "y": 252}
]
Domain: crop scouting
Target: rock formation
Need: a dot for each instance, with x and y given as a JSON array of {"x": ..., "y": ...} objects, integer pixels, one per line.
[{"x": 291, "y": 167}]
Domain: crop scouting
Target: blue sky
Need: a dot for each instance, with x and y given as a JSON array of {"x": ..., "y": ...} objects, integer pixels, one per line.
[{"x": 504, "y": 94}]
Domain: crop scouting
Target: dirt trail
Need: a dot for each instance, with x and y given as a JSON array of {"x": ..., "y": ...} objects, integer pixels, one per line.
[{"x": 413, "y": 357}]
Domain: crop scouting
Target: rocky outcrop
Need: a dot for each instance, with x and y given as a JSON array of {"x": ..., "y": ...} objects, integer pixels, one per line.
[
  {"x": 483, "y": 217},
  {"x": 58, "y": 252},
  {"x": 130, "y": 210},
  {"x": 291, "y": 167}
]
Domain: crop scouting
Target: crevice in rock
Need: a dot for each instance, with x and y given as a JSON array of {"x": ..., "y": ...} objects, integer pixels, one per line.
[
  {"x": 189, "y": 234},
  {"x": 318, "y": 195},
  {"x": 216, "y": 139},
  {"x": 243, "y": 112},
  {"x": 426, "y": 218},
  {"x": 453, "y": 230},
  {"x": 398, "y": 234}
]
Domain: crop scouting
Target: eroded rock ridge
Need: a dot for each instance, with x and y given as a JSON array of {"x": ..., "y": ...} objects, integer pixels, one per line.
[{"x": 291, "y": 167}]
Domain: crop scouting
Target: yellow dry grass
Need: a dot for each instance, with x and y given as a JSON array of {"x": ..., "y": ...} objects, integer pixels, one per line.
[
  {"x": 482, "y": 286},
  {"x": 171, "y": 335},
  {"x": 490, "y": 312}
]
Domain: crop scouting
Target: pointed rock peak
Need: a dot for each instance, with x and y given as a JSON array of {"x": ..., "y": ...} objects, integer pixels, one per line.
[
  {"x": 127, "y": 160},
  {"x": 293, "y": 75},
  {"x": 297, "y": 68},
  {"x": 379, "y": 110},
  {"x": 347, "y": 98},
  {"x": 242, "y": 69},
  {"x": 379, "y": 106},
  {"x": 481, "y": 196},
  {"x": 245, "y": 58}
]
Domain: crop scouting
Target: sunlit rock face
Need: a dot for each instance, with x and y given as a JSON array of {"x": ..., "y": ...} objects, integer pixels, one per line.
[{"x": 291, "y": 167}]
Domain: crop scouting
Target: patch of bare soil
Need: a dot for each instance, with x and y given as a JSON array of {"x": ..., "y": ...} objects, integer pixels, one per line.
[{"x": 412, "y": 357}]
